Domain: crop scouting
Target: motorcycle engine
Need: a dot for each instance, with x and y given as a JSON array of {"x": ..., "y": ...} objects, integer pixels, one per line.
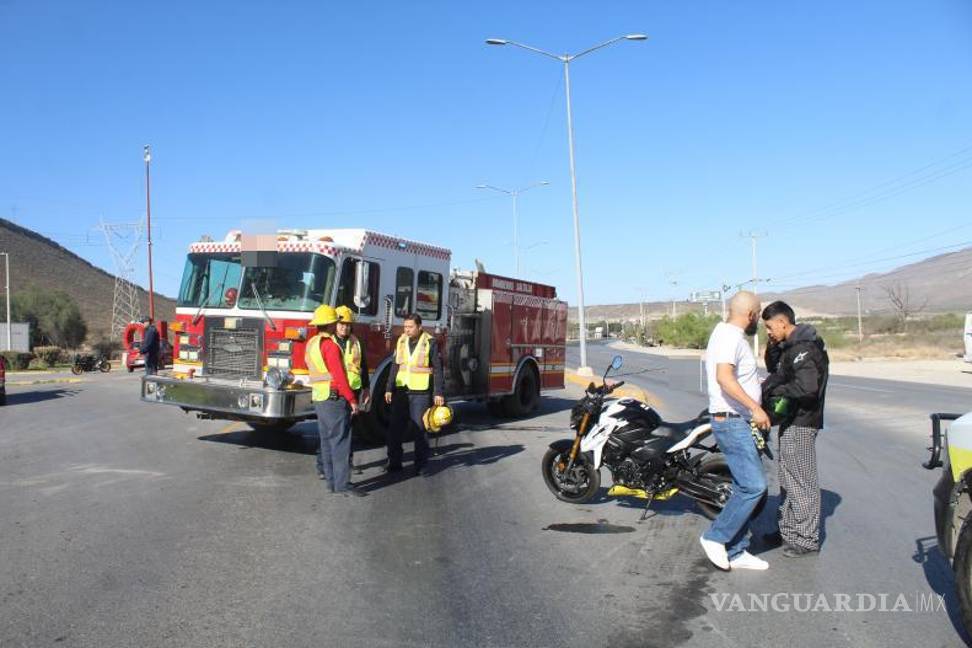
[{"x": 627, "y": 473}]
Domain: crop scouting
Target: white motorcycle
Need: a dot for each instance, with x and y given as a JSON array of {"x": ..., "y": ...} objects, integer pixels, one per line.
[{"x": 648, "y": 458}]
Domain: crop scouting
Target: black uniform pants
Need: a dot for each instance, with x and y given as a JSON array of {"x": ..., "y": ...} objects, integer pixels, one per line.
[{"x": 407, "y": 409}]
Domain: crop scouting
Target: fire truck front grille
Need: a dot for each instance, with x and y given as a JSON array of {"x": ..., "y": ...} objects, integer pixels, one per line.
[{"x": 233, "y": 353}]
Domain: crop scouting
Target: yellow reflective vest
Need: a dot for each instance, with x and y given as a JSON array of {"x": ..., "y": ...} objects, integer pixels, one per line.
[
  {"x": 320, "y": 377},
  {"x": 352, "y": 362},
  {"x": 415, "y": 368}
]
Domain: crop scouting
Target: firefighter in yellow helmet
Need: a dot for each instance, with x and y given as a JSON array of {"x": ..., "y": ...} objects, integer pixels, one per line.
[
  {"x": 415, "y": 382},
  {"x": 334, "y": 402},
  {"x": 355, "y": 360}
]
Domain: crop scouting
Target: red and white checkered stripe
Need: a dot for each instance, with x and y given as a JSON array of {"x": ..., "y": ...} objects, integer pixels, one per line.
[
  {"x": 404, "y": 245},
  {"x": 282, "y": 246}
]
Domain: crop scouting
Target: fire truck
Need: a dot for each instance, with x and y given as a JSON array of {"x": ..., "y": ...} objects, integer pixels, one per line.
[{"x": 245, "y": 302}]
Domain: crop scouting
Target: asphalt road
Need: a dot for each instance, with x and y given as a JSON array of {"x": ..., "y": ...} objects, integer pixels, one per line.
[{"x": 131, "y": 524}]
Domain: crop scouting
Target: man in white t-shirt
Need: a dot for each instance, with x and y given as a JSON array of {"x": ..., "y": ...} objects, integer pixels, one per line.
[{"x": 734, "y": 402}]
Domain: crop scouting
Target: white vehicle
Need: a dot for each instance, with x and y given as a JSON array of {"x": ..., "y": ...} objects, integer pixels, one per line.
[{"x": 968, "y": 337}]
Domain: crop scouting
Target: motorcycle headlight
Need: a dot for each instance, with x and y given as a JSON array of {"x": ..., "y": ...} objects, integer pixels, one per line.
[{"x": 275, "y": 378}]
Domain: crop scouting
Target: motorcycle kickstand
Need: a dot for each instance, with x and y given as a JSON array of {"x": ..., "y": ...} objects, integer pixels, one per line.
[{"x": 644, "y": 515}]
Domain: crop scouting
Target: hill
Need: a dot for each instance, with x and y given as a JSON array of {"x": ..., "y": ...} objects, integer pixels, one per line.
[
  {"x": 941, "y": 283},
  {"x": 35, "y": 260}
]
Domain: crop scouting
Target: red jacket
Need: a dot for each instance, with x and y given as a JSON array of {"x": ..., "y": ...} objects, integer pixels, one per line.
[{"x": 334, "y": 361}]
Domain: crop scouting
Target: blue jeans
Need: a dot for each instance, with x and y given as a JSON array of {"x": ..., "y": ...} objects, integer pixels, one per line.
[
  {"x": 731, "y": 528},
  {"x": 334, "y": 428}
]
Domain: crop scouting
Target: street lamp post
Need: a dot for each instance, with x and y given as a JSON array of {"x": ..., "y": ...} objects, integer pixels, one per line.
[
  {"x": 6, "y": 294},
  {"x": 514, "y": 193},
  {"x": 566, "y": 59}
]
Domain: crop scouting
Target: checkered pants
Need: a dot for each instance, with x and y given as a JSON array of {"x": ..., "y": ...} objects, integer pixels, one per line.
[{"x": 799, "y": 513}]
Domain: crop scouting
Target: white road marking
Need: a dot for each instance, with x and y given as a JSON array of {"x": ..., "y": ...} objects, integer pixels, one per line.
[{"x": 870, "y": 389}]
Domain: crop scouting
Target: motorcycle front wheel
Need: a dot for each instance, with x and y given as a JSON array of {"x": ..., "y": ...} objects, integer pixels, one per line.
[
  {"x": 105, "y": 367},
  {"x": 715, "y": 469},
  {"x": 578, "y": 486},
  {"x": 76, "y": 369}
]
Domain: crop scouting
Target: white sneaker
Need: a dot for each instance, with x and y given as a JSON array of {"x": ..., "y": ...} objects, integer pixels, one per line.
[
  {"x": 715, "y": 552},
  {"x": 746, "y": 560}
]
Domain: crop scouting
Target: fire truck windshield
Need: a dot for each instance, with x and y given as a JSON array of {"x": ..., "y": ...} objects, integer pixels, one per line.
[
  {"x": 210, "y": 280},
  {"x": 299, "y": 282}
]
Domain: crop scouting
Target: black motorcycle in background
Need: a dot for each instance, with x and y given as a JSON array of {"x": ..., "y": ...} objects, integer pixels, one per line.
[{"x": 88, "y": 362}]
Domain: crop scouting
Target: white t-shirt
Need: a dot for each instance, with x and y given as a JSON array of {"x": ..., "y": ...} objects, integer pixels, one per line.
[{"x": 728, "y": 345}]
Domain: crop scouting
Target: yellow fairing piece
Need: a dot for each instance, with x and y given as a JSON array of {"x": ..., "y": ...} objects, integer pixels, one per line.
[
  {"x": 960, "y": 459},
  {"x": 623, "y": 491}
]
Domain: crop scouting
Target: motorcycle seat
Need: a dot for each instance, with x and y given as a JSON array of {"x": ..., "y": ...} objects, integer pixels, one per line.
[{"x": 677, "y": 431}]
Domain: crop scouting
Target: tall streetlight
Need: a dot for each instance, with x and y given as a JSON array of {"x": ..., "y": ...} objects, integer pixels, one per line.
[
  {"x": 147, "y": 156},
  {"x": 567, "y": 59},
  {"x": 514, "y": 193},
  {"x": 6, "y": 294}
]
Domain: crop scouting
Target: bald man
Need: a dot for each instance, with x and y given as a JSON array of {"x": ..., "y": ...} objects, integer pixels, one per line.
[{"x": 734, "y": 402}]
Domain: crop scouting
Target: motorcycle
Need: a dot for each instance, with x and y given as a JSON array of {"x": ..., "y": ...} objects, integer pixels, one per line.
[
  {"x": 648, "y": 458},
  {"x": 88, "y": 362}
]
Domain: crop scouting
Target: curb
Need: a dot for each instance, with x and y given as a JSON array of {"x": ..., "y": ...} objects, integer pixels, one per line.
[
  {"x": 628, "y": 391},
  {"x": 49, "y": 381}
]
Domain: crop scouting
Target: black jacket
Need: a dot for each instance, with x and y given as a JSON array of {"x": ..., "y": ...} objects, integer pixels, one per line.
[
  {"x": 799, "y": 369},
  {"x": 150, "y": 344}
]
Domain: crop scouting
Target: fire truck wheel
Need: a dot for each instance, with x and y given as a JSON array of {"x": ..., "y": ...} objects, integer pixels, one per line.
[
  {"x": 281, "y": 425},
  {"x": 526, "y": 394}
]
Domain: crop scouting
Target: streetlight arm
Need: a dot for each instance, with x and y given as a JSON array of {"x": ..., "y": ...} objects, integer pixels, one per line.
[
  {"x": 537, "y": 50},
  {"x": 486, "y": 186},
  {"x": 542, "y": 183},
  {"x": 596, "y": 47}
]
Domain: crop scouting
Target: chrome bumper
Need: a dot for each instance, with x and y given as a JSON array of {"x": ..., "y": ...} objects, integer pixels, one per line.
[{"x": 228, "y": 399}]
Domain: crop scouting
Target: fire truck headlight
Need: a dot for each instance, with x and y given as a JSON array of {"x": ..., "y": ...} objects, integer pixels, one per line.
[
  {"x": 284, "y": 347},
  {"x": 193, "y": 355},
  {"x": 183, "y": 355},
  {"x": 242, "y": 401},
  {"x": 275, "y": 378},
  {"x": 149, "y": 388}
]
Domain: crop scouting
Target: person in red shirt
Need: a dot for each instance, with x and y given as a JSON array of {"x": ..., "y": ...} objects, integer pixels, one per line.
[{"x": 334, "y": 402}]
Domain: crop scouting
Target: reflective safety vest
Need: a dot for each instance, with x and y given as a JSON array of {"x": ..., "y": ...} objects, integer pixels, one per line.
[
  {"x": 320, "y": 377},
  {"x": 415, "y": 368},
  {"x": 352, "y": 362}
]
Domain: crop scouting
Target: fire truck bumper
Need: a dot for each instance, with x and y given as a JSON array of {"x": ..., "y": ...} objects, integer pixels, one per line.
[{"x": 225, "y": 399}]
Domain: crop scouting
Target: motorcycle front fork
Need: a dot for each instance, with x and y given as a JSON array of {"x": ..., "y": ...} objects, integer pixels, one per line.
[{"x": 575, "y": 447}]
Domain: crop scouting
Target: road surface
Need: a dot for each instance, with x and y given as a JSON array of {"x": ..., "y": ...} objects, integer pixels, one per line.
[{"x": 132, "y": 524}]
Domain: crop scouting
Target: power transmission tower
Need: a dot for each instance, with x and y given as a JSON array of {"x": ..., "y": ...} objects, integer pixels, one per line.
[{"x": 123, "y": 241}]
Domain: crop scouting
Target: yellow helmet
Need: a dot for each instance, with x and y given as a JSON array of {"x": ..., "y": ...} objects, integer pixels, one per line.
[
  {"x": 436, "y": 418},
  {"x": 323, "y": 315},
  {"x": 344, "y": 314}
]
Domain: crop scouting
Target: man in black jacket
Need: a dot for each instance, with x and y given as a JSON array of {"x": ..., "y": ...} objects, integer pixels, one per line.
[
  {"x": 795, "y": 389},
  {"x": 150, "y": 346}
]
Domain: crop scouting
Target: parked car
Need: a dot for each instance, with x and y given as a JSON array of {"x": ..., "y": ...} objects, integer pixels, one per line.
[{"x": 3, "y": 380}]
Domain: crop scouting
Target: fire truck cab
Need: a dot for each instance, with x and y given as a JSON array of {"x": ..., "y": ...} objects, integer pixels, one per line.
[{"x": 245, "y": 302}]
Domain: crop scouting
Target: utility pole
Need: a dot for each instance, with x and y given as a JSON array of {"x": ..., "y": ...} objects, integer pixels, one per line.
[
  {"x": 147, "y": 155},
  {"x": 6, "y": 293},
  {"x": 860, "y": 327},
  {"x": 722, "y": 294},
  {"x": 753, "y": 235},
  {"x": 674, "y": 282}
]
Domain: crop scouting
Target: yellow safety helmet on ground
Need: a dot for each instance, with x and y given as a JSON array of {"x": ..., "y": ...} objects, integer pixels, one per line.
[
  {"x": 437, "y": 417},
  {"x": 324, "y": 315},
  {"x": 344, "y": 314}
]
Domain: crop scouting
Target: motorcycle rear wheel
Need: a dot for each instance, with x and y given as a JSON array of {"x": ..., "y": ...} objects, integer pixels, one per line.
[
  {"x": 585, "y": 490},
  {"x": 715, "y": 467}
]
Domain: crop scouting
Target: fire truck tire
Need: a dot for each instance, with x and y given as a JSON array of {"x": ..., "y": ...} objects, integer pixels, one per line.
[
  {"x": 526, "y": 394},
  {"x": 278, "y": 426}
]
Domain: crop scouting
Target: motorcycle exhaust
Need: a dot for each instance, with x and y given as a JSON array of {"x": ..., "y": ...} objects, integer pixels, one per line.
[{"x": 698, "y": 491}]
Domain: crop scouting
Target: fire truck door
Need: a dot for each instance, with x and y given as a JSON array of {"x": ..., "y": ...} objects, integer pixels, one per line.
[{"x": 501, "y": 358}]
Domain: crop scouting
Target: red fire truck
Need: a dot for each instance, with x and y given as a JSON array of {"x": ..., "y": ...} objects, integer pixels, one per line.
[{"x": 244, "y": 304}]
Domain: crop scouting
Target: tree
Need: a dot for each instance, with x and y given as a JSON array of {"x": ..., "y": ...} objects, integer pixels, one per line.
[
  {"x": 899, "y": 295},
  {"x": 53, "y": 316}
]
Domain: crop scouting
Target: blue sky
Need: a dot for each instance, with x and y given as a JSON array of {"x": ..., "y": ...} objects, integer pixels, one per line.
[{"x": 733, "y": 116}]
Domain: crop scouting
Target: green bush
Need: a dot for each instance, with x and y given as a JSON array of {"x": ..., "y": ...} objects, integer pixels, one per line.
[
  {"x": 38, "y": 364},
  {"x": 17, "y": 361},
  {"x": 54, "y": 317},
  {"x": 107, "y": 348},
  {"x": 687, "y": 331},
  {"x": 50, "y": 355}
]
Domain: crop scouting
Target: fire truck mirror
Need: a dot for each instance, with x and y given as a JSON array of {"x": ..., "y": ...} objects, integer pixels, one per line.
[
  {"x": 259, "y": 259},
  {"x": 362, "y": 298}
]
